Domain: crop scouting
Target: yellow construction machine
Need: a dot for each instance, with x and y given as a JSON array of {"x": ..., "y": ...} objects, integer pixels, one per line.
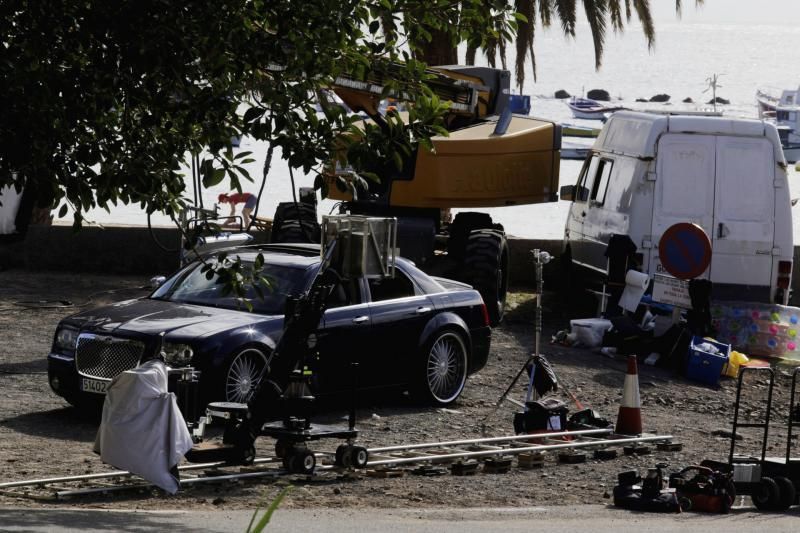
[{"x": 491, "y": 158}]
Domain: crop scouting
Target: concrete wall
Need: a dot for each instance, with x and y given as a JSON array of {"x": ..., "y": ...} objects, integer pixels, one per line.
[{"x": 132, "y": 250}]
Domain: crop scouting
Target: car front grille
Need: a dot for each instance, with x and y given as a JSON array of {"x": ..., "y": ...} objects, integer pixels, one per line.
[{"x": 102, "y": 356}]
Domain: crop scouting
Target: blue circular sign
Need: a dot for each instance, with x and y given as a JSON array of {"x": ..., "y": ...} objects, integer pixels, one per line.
[{"x": 685, "y": 250}]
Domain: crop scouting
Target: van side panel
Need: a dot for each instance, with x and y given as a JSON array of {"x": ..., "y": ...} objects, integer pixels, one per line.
[
  {"x": 744, "y": 214},
  {"x": 684, "y": 189}
]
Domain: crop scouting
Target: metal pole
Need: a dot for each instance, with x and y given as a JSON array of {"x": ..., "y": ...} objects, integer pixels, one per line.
[
  {"x": 514, "y": 451},
  {"x": 488, "y": 440},
  {"x": 115, "y": 473}
]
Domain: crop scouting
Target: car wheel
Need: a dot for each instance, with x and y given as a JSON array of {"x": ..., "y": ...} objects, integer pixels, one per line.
[
  {"x": 245, "y": 371},
  {"x": 444, "y": 369},
  {"x": 486, "y": 269}
]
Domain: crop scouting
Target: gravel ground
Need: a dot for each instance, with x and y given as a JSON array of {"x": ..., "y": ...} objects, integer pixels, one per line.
[{"x": 42, "y": 436}]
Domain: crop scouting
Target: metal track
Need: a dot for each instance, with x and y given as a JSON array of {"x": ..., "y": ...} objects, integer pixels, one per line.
[{"x": 56, "y": 488}]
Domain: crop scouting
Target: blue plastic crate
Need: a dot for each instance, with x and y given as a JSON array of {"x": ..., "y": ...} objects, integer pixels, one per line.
[{"x": 706, "y": 367}]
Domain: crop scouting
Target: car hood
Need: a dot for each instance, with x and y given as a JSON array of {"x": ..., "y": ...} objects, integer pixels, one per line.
[{"x": 148, "y": 316}]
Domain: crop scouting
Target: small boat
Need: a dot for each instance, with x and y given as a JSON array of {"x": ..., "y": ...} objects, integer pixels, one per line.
[
  {"x": 575, "y": 150},
  {"x": 590, "y": 109},
  {"x": 572, "y": 130},
  {"x": 784, "y": 112}
]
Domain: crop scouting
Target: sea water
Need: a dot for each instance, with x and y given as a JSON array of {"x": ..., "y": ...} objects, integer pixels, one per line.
[{"x": 745, "y": 55}]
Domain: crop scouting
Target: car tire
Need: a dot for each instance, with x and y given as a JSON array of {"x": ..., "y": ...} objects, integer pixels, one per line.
[
  {"x": 443, "y": 368},
  {"x": 243, "y": 373},
  {"x": 486, "y": 269}
]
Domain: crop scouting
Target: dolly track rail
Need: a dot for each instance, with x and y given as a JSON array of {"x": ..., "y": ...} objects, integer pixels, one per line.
[{"x": 381, "y": 457}]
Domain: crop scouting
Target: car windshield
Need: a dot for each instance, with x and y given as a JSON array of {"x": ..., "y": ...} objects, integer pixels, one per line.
[{"x": 192, "y": 287}]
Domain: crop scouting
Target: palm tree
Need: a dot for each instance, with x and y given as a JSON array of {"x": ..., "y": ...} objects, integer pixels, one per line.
[{"x": 599, "y": 13}]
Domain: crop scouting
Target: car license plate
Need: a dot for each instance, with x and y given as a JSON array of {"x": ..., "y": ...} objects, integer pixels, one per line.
[{"x": 94, "y": 385}]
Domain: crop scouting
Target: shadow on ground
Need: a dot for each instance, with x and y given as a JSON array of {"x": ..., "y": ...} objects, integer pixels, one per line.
[{"x": 66, "y": 423}]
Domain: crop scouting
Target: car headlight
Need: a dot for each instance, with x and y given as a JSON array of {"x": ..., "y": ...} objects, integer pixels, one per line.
[
  {"x": 177, "y": 354},
  {"x": 66, "y": 338}
]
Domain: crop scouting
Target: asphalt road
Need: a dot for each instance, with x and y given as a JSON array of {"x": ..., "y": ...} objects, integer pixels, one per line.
[{"x": 594, "y": 518}]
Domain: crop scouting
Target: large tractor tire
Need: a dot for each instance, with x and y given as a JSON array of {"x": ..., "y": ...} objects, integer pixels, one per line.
[
  {"x": 295, "y": 223},
  {"x": 296, "y": 231},
  {"x": 486, "y": 269}
]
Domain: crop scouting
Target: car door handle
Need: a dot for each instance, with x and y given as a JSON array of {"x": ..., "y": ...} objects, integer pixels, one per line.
[
  {"x": 360, "y": 319},
  {"x": 423, "y": 310}
]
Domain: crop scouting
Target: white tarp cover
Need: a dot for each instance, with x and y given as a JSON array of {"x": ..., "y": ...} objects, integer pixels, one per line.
[
  {"x": 9, "y": 206},
  {"x": 142, "y": 430}
]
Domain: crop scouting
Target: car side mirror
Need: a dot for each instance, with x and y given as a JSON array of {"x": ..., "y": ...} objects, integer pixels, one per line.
[
  {"x": 157, "y": 281},
  {"x": 567, "y": 192}
]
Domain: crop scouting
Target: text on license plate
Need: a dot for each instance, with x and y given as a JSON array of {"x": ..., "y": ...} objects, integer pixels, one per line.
[{"x": 94, "y": 385}]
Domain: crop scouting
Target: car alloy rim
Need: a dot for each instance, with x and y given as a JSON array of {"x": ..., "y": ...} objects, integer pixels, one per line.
[
  {"x": 446, "y": 370},
  {"x": 244, "y": 375}
]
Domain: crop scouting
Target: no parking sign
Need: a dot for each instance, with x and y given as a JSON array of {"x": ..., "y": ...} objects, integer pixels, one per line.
[{"x": 685, "y": 250}]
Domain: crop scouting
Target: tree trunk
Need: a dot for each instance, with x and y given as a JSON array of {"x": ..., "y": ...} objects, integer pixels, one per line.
[{"x": 440, "y": 51}]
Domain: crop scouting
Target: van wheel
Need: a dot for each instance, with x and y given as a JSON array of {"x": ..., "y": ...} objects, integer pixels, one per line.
[{"x": 486, "y": 269}]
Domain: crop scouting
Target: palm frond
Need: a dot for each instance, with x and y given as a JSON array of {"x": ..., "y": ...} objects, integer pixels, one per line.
[
  {"x": 524, "y": 39},
  {"x": 469, "y": 57},
  {"x": 546, "y": 12},
  {"x": 642, "y": 8},
  {"x": 615, "y": 14},
  {"x": 565, "y": 9},
  {"x": 596, "y": 11}
]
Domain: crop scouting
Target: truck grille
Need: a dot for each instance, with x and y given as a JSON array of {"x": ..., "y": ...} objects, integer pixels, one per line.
[{"x": 102, "y": 356}]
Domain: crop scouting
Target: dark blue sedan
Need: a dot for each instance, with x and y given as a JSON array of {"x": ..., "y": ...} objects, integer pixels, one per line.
[{"x": 413, "y": 331}]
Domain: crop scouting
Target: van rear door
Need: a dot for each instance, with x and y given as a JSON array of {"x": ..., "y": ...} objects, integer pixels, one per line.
[
  {"x": 724, "y": 184},
  {"x": 684, "y": 188},
  {"x": 744, "y": 218}
]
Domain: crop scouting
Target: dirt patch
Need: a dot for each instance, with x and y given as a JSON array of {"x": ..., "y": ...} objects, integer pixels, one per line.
[{"x": 42, "y": 436}]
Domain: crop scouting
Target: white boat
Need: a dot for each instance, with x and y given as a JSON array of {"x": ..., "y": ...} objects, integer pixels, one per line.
[
  {"x": 784, "y": 111},
  {"x": 587, "y": 108}
]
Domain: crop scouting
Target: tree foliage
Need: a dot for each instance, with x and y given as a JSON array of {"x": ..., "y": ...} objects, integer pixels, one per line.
[{"x": 102, "y": 101}]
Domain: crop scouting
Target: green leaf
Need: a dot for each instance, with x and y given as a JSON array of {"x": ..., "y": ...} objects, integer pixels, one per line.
[
  {"x": 63, "y": 211},
  {"x": 273, "y": 506}
]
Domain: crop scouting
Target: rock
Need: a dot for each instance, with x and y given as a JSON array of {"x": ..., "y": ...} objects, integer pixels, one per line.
[
  {"x": 660, "y": 98},
  {"x": 688, "y": 100},
  {"x": 561, "y": 94},
  {"x": 218, "y": 501},
  {"x": 726, "y": 433},
  {"x": 601, "y": 95},
  {"x": 642, "y": 100},
  {"x": 337, "y": 490},
  {"x": 719, "y": 100}
]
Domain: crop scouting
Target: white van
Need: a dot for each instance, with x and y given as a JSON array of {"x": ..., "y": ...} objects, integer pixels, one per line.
[{"x": 647, "y": 172}]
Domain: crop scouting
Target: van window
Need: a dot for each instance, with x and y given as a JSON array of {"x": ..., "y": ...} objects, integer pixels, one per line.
[
  {"x": 601, "y": 181},
  {"x": 586, "y": 181}
]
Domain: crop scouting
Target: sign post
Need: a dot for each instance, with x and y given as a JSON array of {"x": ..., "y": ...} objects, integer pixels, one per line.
[
  {"x": 685, "y": 253},
  {"x": 685, "y": 250}
]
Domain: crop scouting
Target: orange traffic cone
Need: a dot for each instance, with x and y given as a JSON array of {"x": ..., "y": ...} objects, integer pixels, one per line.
[{"x": 629, "y": 421}]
